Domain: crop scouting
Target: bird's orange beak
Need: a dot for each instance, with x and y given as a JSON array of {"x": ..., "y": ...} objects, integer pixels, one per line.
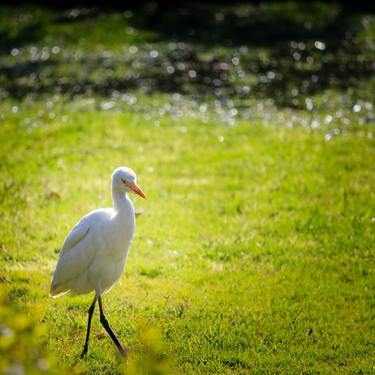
[{"x": 137, "y": 190}]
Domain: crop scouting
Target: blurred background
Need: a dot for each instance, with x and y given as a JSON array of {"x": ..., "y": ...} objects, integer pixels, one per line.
[
  {"x": 235, "y": 59},
  {"x": 250, "y": 126}
]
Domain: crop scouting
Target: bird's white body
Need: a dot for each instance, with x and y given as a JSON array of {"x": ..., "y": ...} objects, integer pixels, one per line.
[
  {"x": 98, "y": 259},
  {"x": 94, "y": 253}
]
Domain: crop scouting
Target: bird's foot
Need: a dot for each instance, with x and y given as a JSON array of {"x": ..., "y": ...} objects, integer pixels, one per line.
[
  {"x": 123, "y": 351},
  {"x": 83, "y": 354}
]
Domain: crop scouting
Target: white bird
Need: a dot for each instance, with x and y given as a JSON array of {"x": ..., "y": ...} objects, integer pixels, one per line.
[{"x": 94, "y": 253}]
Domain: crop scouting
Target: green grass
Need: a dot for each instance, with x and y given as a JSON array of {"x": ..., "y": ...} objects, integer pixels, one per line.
[
  {"x": 254, "y": 252},
  {"x": 251, "y": 254}
]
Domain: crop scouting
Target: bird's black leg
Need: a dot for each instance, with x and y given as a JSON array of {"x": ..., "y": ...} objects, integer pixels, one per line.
[
  {"x": 106, "y": 326},
  {"x": 91, "y": 312}
]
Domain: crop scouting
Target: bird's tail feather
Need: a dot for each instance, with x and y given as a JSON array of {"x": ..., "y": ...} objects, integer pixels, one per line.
[
  {"x": 57, "y": 291},
  {"x": 53, "y": 295}
]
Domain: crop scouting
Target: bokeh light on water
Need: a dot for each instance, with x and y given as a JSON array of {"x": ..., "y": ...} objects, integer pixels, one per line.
[{"x": 285, "y": 64}]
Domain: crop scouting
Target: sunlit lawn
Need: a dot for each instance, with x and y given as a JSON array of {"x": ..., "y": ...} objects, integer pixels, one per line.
[{"x": 253, "y": 252}]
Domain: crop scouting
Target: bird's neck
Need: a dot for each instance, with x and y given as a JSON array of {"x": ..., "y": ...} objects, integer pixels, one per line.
[{"x": 120, "y": 201}]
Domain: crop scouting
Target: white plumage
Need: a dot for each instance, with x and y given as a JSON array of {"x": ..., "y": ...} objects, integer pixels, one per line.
[{"x": 94, "y": 253}]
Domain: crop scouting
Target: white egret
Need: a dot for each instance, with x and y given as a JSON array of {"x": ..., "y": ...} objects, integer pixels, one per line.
[{"x": 94, "y": 253}]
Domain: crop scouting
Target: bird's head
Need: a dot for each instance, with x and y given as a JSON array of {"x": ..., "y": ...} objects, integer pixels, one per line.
[{"x": 124, "y": 180}]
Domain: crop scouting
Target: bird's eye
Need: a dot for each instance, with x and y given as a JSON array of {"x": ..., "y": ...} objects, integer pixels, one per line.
[{"x": 124, "y": 181}]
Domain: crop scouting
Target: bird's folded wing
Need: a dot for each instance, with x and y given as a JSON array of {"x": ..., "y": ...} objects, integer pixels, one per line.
[
  {"x": 75, "y": 257},
  {"x": 77, "y": 234}
]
